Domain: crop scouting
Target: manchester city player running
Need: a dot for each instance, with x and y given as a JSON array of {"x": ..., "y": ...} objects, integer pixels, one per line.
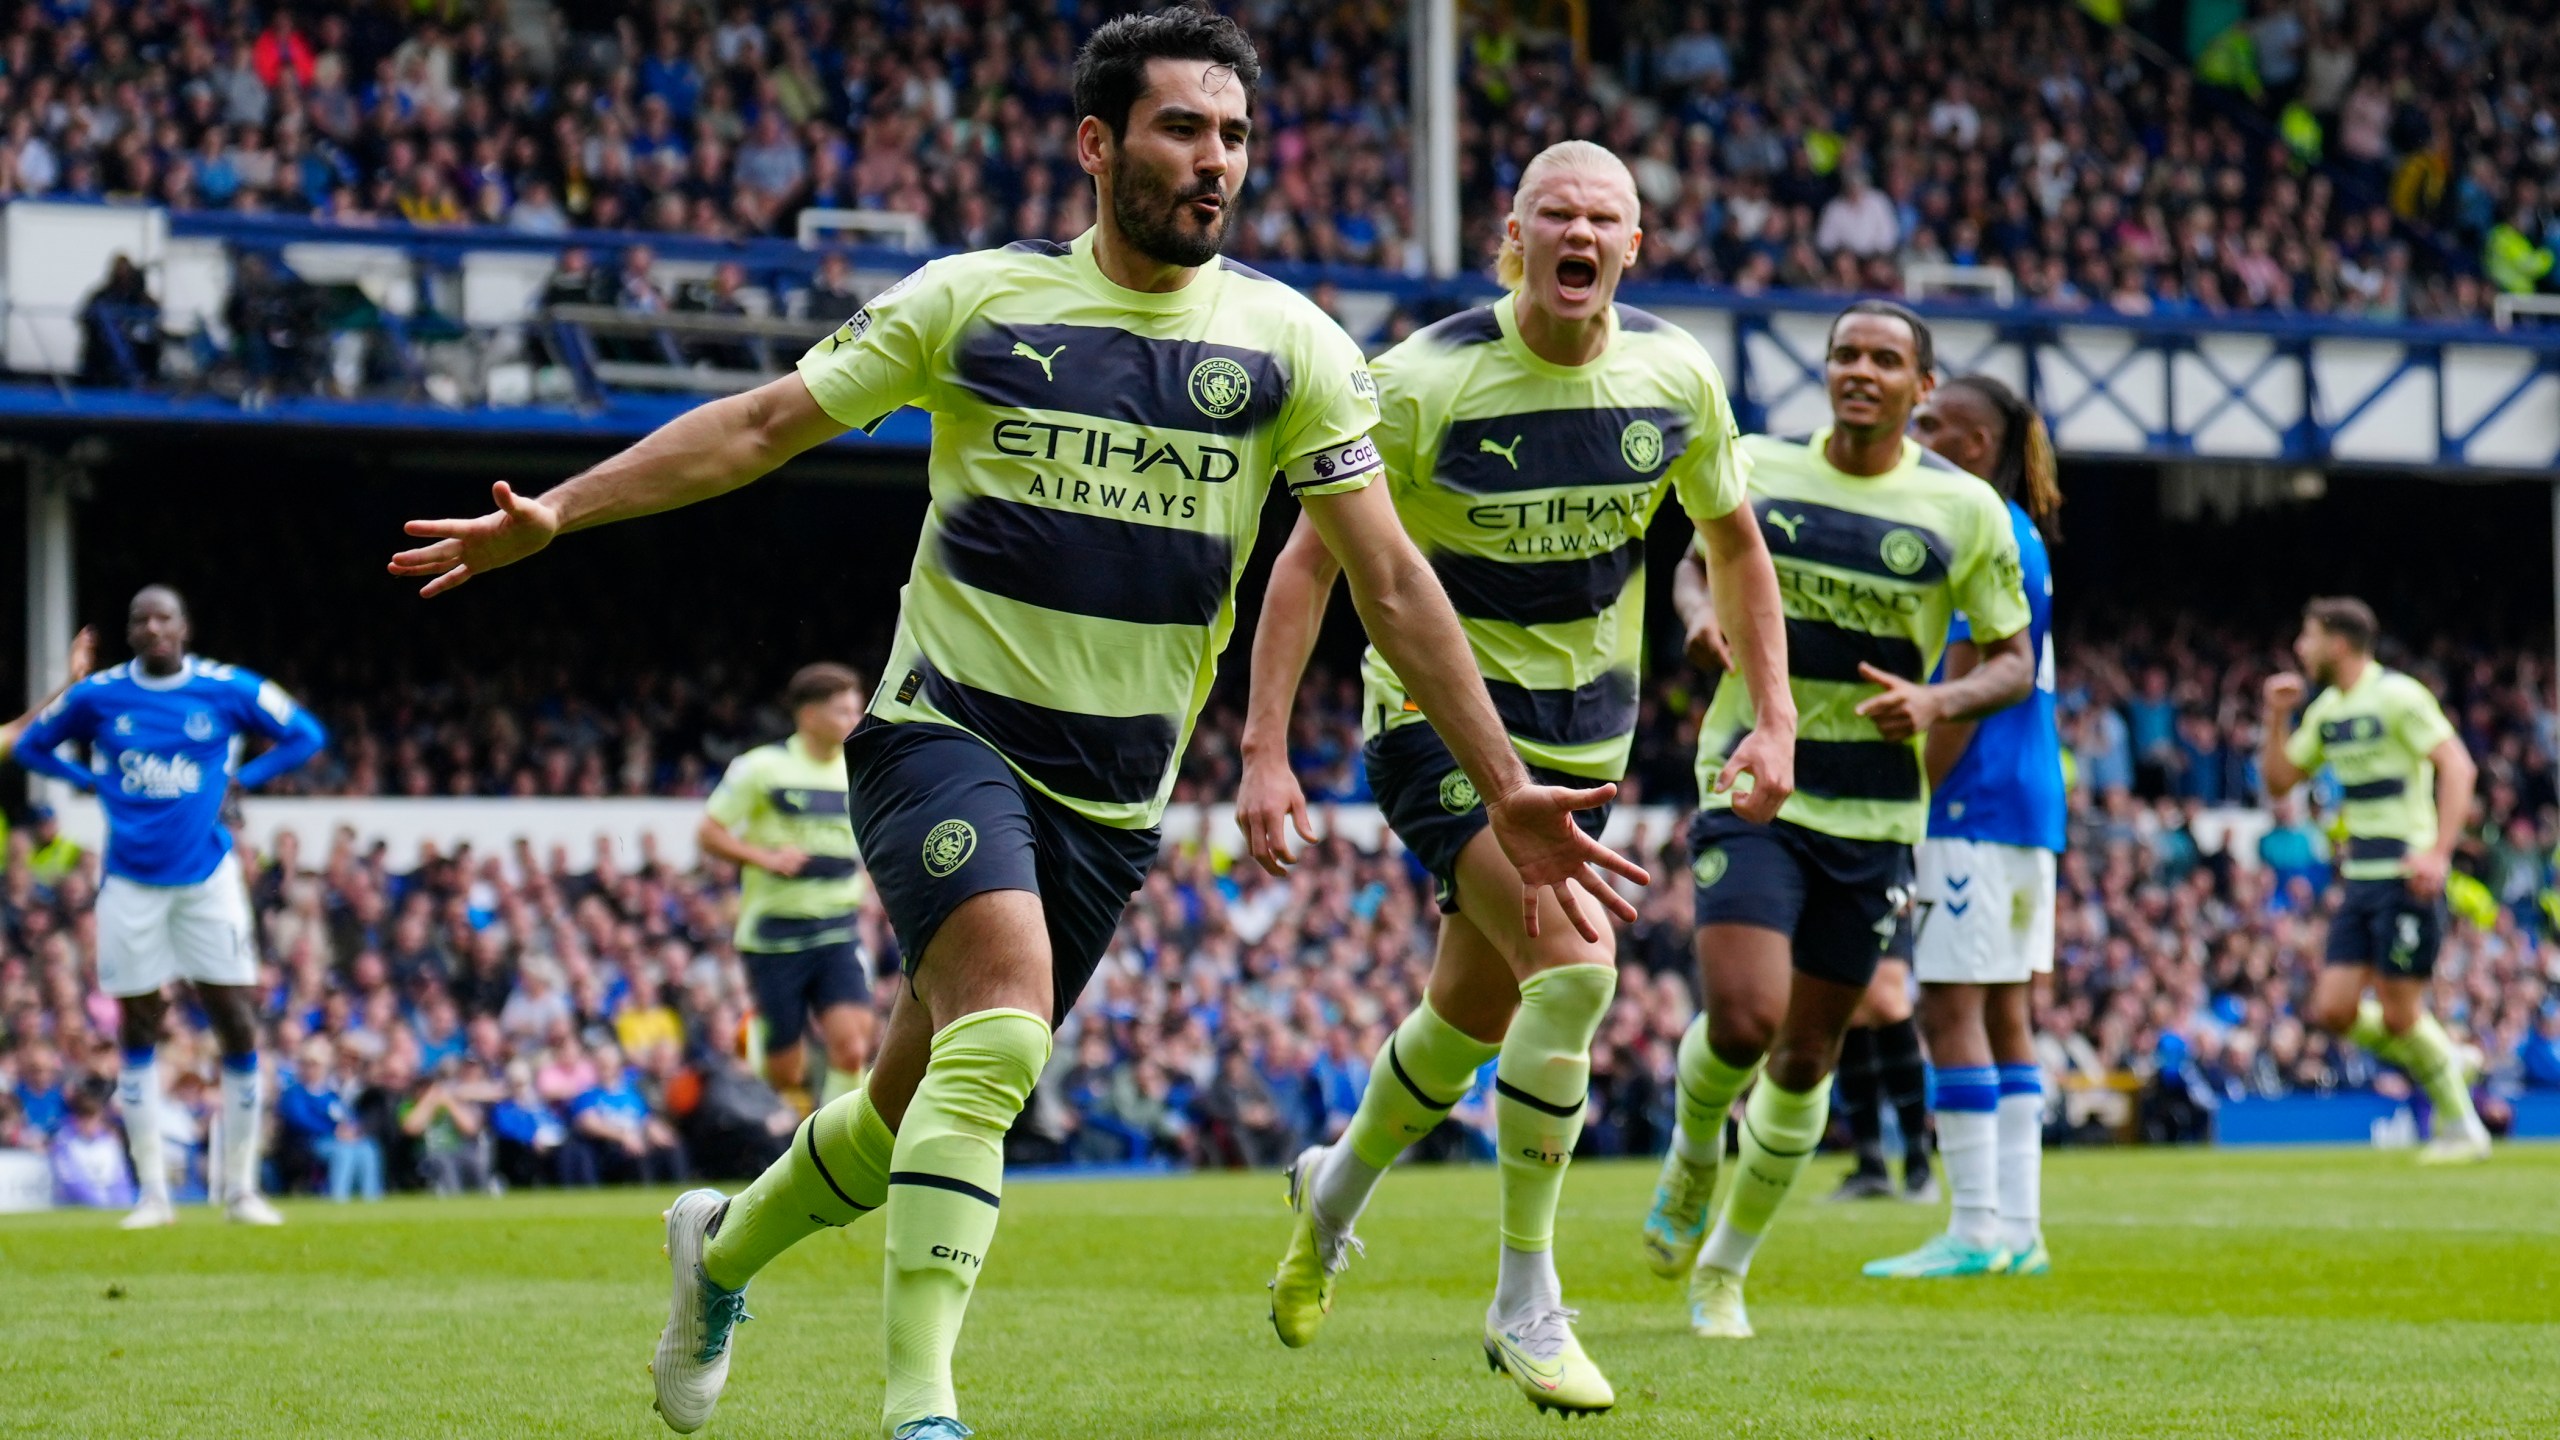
[
  {"x": 1527, "y": 444},
  {"x": 162, "y": 731},
  {"x": 2406, "y": 781},
  {"x": 1109, "y": 415},
  {"x": 1877, "y": 543},
  {"x": 780, "y": 815},
  {"x": 1986, "y": 883}
]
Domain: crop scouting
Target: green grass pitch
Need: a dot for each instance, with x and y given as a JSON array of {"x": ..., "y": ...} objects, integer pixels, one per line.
[{"x": 2196, "y": 1293}]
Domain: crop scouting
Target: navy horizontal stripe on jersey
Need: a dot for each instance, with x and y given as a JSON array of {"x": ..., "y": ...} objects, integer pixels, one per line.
[
  {"x": 2377, "y": 790},
  {"x": 798, "y": 929},
  {"x": 1121, "y": 759},
  {"x": 1549, "y": 449},
  {"x": 1601, "y": 710},
  {"x": 1857, "y": 769},
  {"x": 1847, "y": 540},
  {"x": 1537, "y": 592},
  {"x": 1479, "y": 326},
  {"x": 1094, "y": 565},
  {"x": 826, "y": 867},
  {"x": 1819, "y": 650},
  {"x": 2370, "y": 847},
  {"x": 794, "y": 800},
  {"x": 1112, "y": 374}
]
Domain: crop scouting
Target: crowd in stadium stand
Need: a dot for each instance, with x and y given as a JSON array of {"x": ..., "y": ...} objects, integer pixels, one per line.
[
  {"x": 2390, "y": 160},
  {"x": 555, "y": 1019}
]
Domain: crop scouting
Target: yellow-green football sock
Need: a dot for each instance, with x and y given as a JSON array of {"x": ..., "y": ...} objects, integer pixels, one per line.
[
  {"x": 2428, "y": 1054},
  {"x": 1424, "y": 1068},
  {"x": 1539, "y": 1084},
  {"x": 948, "y": 1172},
  {"x": 2372, "y": 1036},
  {"x": 1780, "y": 1129},
  {"x": 838, "y": 1084},
  {"x": 1707, "y": 1088},
  {"x": 836, "y": 1172}
]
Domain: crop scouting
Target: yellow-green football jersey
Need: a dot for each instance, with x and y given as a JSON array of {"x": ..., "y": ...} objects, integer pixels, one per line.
[
  {"x": 1869, "y": 569},
  {"x": 1529, "y": 486},
  {"x": 1100, "y": 459},
  {"x": 2378, "y": 735},
  {"x": 780, "y": 796}
]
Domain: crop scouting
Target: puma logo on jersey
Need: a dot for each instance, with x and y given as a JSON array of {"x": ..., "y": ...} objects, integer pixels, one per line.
[
  {"x": 1023, "y": 349},
  {"x": 1509, "y": 453},
  {"x": 1786, "y": 522}
]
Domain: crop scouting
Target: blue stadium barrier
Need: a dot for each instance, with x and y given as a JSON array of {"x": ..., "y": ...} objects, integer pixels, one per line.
[{"x": 2351, "y": 1119}]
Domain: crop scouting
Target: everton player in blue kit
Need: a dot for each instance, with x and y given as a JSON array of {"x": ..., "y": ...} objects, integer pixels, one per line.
[
  {"x": 162, "y": 732},
  {"x": 1986, "y": 873}
]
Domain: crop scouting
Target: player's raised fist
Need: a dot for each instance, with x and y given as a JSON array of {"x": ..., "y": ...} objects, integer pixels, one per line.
[
  {"x": 2284, "y": 691},
  {"x": 519, "y": 526}
]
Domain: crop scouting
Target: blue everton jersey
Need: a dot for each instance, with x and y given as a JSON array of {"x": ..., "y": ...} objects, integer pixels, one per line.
[
  {"x": 2007, "y": 786},
  {"x": 161, "y": 750}
]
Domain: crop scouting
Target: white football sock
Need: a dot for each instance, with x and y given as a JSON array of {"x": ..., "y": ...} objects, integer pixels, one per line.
[
  {"x": 1343, "y": 1184},
  {"x": 138, "y": 1097},
  {"x": 1969, "y": 1147},
  {"x": 1527, "y": 1283},
  {"x": 239, "y": 1126},
  {"x": 2021, "y": 1156}
]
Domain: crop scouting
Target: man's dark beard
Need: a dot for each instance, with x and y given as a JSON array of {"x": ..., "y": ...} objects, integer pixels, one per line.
[{"x": 1149, "y": 213}]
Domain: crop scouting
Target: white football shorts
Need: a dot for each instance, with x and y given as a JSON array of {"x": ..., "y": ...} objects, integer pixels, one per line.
[
  {"x": 1987, "y": 912},
  {"x": 149, "y": 935}
]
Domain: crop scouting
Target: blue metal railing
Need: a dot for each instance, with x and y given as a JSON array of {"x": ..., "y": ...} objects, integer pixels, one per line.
[{"x": 2252, "y": 387}]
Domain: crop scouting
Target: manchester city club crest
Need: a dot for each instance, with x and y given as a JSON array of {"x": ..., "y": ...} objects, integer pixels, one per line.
[
  {"x": 948, "y": 846},
  {"x": 1640, "y": 444},
  {"x": 1220, "y": 387},
  {"x": 1709, "y": 866},
  {"x": 1457, "y": 793},
  {"x": 1904, "y": 551}
]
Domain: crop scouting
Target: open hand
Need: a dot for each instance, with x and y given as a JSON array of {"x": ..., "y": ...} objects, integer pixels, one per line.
[
  {"x": 1269, "y": 801},
  {"x": 1534, "y": 825},
  {"x": 82, "y": 657},
  {"x": 464, "y": 548},
  {"x": 1904, "y": 709}
]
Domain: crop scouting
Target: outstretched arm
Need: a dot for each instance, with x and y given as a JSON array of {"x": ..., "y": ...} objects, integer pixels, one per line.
[
  {"x": 76, "y": 667},
  {"x": 1268, "y": 798},
  {"x": 1744, "y": 587},
  {"x": 1410, "y": 620},
  {"x": 705, "y": 452}
]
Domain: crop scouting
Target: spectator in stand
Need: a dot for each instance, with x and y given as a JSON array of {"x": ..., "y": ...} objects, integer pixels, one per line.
[
  {"x": 89, "y": 1168},
  {"x": 314, "y": 1111}
]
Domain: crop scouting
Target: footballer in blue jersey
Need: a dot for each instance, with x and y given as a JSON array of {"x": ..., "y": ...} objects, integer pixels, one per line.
[
  {"x": 163, "y": 733},
  {"x": 1986, "y": 875}
]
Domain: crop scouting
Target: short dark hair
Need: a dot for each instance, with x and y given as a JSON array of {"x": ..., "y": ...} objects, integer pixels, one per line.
[
  {"x": 1925, "y": 354},
  {"x": 824, "y": 680},
  {"x": 2346, "y": 617},
  {"x": 1111, "y": 69}
]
